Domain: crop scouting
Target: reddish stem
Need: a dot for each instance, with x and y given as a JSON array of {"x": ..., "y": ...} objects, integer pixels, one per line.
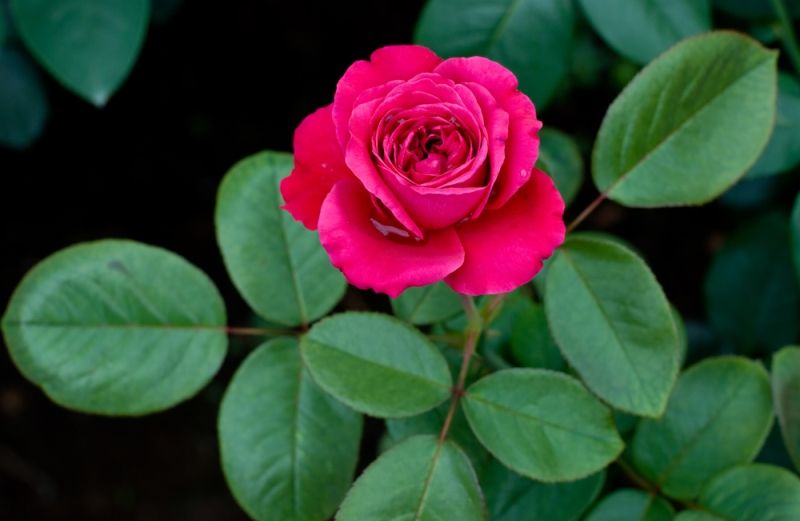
[{"x": 585, "y": 213}]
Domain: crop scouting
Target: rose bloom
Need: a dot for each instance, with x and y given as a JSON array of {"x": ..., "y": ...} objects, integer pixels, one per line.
[{"x": 422, "y": 170}]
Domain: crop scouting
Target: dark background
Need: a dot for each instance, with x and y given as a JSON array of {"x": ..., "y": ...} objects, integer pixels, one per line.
[{"x": 215, "y": 82}]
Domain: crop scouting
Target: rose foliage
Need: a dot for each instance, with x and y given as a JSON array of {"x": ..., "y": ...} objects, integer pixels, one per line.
[{"x": 567, "y": 389}]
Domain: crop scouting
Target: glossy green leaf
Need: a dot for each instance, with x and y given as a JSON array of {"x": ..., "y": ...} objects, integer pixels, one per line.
[
  {"x": 542, "y": 424},
  {"x": 786, "y": 393},
  {"x": 427, "y": 304},
  {"x": 421, "y": 479},
  {"x": 431, "y": 422},
  {"x": 532, "y": 345},
  {"x": 629, "y": 504},
  {"x": 680, "y": 329},
  {"x": 533, "y": 38},
  {"x": 755, "y": 262},
  {"x": 613, "y": 323},
  {"x": 783, "y": 150},
  {"x": 499, "y": 327},
  {"x": 719, "y": 415},
  {"x": 89, "y": 46},
  {"x": 376, "y": 364},
  {"x": 690, "y": 124},
  {"x": 511, "y": 497},
  {"x": 560, "y": 157},
  {"x": 116, "y": 327},
  {"x": 288, "y": 450},
  {"x": 277, "y": 265},
  {"x": 23, "y": 103},
  {"x": 640, "y": 30},
  {"x": 754, "y": 493}
]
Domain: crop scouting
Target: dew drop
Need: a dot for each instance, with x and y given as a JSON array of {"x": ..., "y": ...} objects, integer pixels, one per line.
[
  {"x": 387, "y": 230},
  {"x": 523, "y": 172}
]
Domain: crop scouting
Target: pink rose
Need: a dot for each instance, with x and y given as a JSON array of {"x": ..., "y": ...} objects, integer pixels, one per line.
[{"x": 422, "y": 170}]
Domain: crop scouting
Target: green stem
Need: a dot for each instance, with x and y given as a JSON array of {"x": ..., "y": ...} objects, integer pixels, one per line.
[
  {"x": 474, "y": 328},
  {"x": 787, "y": 34}
]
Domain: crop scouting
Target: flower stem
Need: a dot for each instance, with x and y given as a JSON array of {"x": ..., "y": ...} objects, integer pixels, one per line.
[
  {"x": 474, "y": 328},
  {"x": 585, "y": 213},
  {"x": 257, "y": 331},
  {"x": 787, "y": 33}
]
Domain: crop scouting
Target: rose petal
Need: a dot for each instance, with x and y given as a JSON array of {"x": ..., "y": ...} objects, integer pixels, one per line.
[
  {"x": 396, "y": 62},
  {"x": 360, "y": 160},
  {"x": 522, "y": 147},
  {"x": 318, "y": 165},
  {"x": 505, "y": 248},
  {"x": 434, "y": 208},
  {"x": 371, "y": 260}
]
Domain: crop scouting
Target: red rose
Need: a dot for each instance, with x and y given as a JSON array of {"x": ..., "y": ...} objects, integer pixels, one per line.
[{"x": 422, "y": 170}]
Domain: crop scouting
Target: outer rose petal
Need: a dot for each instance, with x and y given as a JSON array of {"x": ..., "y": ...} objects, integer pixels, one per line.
[
  {"x": 370, "y": 260},
  {"x": 319, "y": 164},
  {"x": 395, "y": 62},
  {"x": 505, "y": 247},
  {"x": 522, "y": 147}
]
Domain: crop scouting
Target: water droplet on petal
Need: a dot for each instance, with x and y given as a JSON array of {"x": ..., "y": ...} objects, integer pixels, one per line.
[
  {"x": 386, "y": 229},
  {"x": 324, "y": 165},
  {"x": 523, "y": 172}
]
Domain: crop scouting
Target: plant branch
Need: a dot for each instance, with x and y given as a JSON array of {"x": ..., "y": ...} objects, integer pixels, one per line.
[
  {"x": 258, "y": 331},
  {"x": 588, "y": 210},
  {"x": 474, "y": 328},
  {"x": 787, "y": 33}
]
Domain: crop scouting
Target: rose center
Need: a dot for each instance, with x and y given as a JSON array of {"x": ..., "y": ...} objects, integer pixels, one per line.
[{"x": 425, "y": 148}]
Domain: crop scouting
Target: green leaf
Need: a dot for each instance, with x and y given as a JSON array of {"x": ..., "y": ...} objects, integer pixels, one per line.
[
  {"x": 533, "y": 38},
  {"x": 499, "y": 329},
  {"x": 786, "y": 393},
  {"x": 511, "y": 497},
  {"x": 754, "y": 493},
  {"x": 531, "y": 342},
  {"x": 116, "y": 327},
  {"x": 560, "y": 157},
  {"x": 719, "y": 415},
  {"x": 690, "y": 124},
  {"x": 680, "y": 329},
  {"x": 23, "y": 103},
  {"x": 755, "y": 262},
  {"x": 542, "y": 424},
  {"x": 422, "y": 479},
  {"x": 431, "y": 422},
  {"x": 613, "y": 323},
  {"x": 629, "y": 504},
  {"x": 376, "y": 364},
  {"x": 640, "y": 30},
  {"x": 89, "y": 46},
  {"x": 277, "y": 265},
  {"x": 783, "y": 150},
  {"x": 288, "y": 450},
  {"x": 427, "y": 304}
]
